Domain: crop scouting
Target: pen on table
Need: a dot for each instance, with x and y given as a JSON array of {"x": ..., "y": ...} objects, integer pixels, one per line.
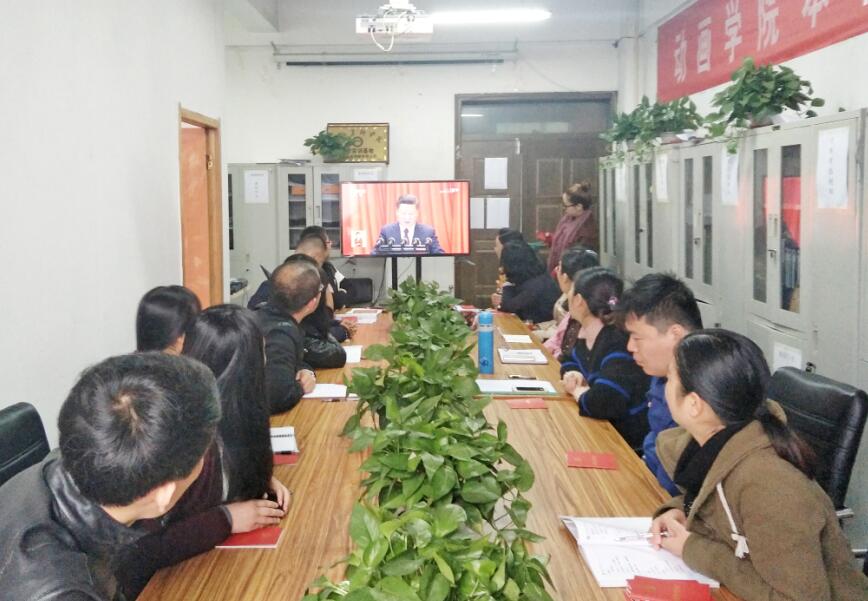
[{"x": 640, "y": 536}]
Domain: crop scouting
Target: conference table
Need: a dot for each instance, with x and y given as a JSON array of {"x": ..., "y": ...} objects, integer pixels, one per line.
[{"x": 326, "y": 483}]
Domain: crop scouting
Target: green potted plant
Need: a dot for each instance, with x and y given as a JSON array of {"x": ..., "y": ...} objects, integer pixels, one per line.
[
  {"x": 755, "y": 96},
  {"x": 334, "y": 148},
  {"x": 664, "y": 120}
]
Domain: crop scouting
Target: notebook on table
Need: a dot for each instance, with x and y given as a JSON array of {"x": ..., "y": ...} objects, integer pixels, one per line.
[
  {"x": 261, "y": 538},
  {"x": 617, "y": 549},
  {"x": 518, "y": 387},
  {"x": 532, "y": 356},
  {"x": 283, "y": 440}
]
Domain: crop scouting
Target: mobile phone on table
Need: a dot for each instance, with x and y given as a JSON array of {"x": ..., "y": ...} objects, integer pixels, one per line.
[
  {"x": 529, "y": 389},
  {"x": 520, "y": 377}
]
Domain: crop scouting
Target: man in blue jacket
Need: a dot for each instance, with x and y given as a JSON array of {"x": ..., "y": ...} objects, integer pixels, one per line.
[
  {"x": 659, "y": 311},
  {"x": 406, "y": 236}
]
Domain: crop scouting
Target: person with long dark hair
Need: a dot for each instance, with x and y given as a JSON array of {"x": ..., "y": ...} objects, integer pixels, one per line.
[
  {"x": 529, "y": 292},
  {"x": 751, "y": 514},
  {"x": 164, "y": 316},
  {"x": 563, "y": 334},
  {"x": 599, "y": 371}
]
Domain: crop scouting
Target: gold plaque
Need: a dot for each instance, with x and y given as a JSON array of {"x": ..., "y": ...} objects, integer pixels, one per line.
[{"x": 370, "y": 141}]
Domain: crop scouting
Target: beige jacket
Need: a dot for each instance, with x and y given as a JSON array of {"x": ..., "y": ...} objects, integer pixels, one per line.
[{"x": 796, "y": 550}]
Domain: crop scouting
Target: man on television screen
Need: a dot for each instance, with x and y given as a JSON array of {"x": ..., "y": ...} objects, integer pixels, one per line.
[{"x": 406, "y": 236}]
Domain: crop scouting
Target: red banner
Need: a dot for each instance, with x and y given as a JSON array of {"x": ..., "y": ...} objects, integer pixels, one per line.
[{"x": 702, "y": 45}]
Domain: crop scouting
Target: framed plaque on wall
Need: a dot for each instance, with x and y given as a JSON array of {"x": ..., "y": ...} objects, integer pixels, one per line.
[{"x": 370, "y": 141}]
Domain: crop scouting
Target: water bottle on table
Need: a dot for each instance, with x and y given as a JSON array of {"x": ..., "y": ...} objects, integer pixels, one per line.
[{"x": 485, "y": 345}]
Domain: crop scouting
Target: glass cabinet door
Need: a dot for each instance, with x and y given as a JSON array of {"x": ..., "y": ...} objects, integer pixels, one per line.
[
  {"x": 328, "y": 207},
  {"x": 294, "y": 206},
  {"x": 296, "y": 190},
  {"x": 697, "y": 220},
  {"x": 642, "y": 205}
]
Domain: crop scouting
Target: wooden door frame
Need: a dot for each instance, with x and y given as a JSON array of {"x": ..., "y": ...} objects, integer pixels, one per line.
[{"x": 215, "y": 196}]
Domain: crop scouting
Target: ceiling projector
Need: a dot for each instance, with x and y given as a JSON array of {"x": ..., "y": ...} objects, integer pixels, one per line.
[{"x": 397, "y": 18}]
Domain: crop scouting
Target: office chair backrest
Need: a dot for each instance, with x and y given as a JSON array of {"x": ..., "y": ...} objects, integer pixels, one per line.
[
  {"x": 830, "y": 417},
  {"x": 22, "y": 439}
]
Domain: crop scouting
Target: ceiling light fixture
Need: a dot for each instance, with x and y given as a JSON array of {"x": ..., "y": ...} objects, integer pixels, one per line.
[{"x": 490, "y": 17}]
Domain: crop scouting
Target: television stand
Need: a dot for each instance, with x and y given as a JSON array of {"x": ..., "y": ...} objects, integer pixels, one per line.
[{"x": 395, "y": 271}]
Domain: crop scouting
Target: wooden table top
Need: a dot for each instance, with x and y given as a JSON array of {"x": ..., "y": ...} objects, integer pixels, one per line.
[{"x": 326, "y": 483}]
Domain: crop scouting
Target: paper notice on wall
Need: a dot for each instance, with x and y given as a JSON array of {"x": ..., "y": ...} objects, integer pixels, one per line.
[
  {"x": 661, "y": 179},
  {"x": 832, "y": 149},
  {"x": 367, "y": 174},
  {"x": 621, "y": 183},
  {"x": 256, "y": 186},
  {"x": 786, "y": 356},
  {"x": 477, "y": 213},
  {"x": 728, "y": 178},
  {"x": 495, "y": 173},
  {"x": 497, "y": 213}
]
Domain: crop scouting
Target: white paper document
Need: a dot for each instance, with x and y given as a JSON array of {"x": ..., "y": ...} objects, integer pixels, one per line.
[
  {"x": 329, "y": 392},
  {"x": 516, "y": 338},
  {"x": 729, "y": 178},
  {"x": 477, "y": 213},
  {"x": 661, "y": 178},
  {"x": 256, "y": 186},
  {"x": 496, "y": 173},
  {"x": 784, "y": 355},
  {"x": 832, "y": 149},
  {"x": 496, "y": 213},
  {"x": 616, "y": 550},
  {"x": 621, "y": 183},
  {"x": 532, "y": 356},
  {"x": 525, "y": 387},
  {"x": 283, "y": 440},
  {"x": 354, "y": 353},
  {"x": 364, "y": 311}
]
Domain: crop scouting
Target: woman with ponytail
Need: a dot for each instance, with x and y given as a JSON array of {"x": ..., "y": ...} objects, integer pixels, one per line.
[
  {"x": 599, "y": 371},
  {"x": 751, "y": 514}
]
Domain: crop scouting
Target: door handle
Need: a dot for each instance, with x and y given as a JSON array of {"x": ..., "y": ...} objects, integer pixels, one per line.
[
  {"x": 696, "y": 241},
  {"x": 773, "y": 254}
]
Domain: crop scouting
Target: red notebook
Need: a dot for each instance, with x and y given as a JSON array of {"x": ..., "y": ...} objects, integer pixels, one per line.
[
  {"x": 531, "y": 403},
  {"x": 642, "y": 588},
  {"x": 589, "y": 459},
  {"x": 263, "y": 538},
  {"x": 286, "y": 458}
]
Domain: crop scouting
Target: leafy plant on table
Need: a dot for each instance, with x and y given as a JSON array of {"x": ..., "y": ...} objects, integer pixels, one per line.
[
  {"x": 756, "y": 94},
  {"x": 442, "y": 515}
]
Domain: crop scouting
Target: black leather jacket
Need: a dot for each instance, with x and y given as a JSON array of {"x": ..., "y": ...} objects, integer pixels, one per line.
[
  {"x": 54, "y": 543},
  {"x": 284, "y": 354}
]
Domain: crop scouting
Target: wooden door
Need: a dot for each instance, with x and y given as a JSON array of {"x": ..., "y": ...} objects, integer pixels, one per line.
[
  {"x": 551, "y": 165},
  {"x": 476, "y": 278}
]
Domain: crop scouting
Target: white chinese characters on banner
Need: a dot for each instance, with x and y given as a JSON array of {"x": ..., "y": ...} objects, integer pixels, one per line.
[
  {"x": 732, "y": 26},
  {"x": 832, "y": 149},
  {"x": 703, "y": 46},
  {"x": 680, "y": 57},
  {"x": 768, "y": 24},
  {"x": 812, "y": 8}
]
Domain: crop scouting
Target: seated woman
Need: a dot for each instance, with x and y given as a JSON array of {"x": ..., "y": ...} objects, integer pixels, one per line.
[
  {"x": 164, "y": 317},
  {"x": 561, "y": 337},
  {"x": 599, "y": 371},
  {"x": 751, "y": 515},
  {"x": 321, "y": 348},
  {"x": 229, "y": 495},
  {"x": 529, "y": 291}
]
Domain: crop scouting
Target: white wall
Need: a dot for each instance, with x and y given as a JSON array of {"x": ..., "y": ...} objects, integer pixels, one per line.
[
  {"x": 270, "y": 111},
  {"x": 90, "y": 175}
]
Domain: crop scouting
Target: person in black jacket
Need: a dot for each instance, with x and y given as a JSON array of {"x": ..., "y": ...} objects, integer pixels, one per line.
[
  {"x": 321, "y": 348},
  {"x": 599, "y": 371},
  {"x": 341, "y": 296},
  {"x": 530, "y": 292},
  {"x": 296, "y": 289},
  {"x": 133, "y": 433}
]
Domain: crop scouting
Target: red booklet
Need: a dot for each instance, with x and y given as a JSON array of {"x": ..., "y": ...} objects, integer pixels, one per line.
[
  {"x": 286, "y": 458},
  {"x": 641, "y": 588},
  {"x": 263, "y": 538},
  {"x": 589, "y": 459},
  {"x": 530, "y": 403}
]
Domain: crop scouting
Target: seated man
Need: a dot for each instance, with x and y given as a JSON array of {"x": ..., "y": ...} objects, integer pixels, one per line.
[
  {"x": 659, "y": 311},
  {"x": 295, "y": 294},
  {"x": 133, "y": 432},
  {"x": 407, "y": 236}
]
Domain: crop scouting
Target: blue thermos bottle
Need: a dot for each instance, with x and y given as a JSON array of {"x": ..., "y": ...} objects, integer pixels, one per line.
[{"x": 486, "y": 342}]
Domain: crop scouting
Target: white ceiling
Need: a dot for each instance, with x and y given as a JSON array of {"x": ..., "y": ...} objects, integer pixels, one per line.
[{"x": 332, "y": 22}]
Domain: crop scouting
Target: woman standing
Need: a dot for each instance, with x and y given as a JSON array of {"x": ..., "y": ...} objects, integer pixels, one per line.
[
  {"x": 577, "y": 226},
  {"x": 751, "y": 515}
]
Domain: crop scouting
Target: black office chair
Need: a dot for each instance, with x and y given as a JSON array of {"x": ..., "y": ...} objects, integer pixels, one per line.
[
  {"x": 360, "y": 291},
  {"x": 830, "y": 417},
  {"x": 22, "y": 439}
]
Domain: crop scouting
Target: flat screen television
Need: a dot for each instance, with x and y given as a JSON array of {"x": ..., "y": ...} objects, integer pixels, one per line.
[{"x": 405, "y": 219}]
